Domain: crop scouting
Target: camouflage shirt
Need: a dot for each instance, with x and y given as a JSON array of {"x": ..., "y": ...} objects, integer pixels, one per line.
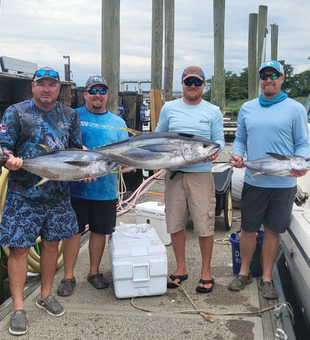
[{"x": 24, "y": 127}]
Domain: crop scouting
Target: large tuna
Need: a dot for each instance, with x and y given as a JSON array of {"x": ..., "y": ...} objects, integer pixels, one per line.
[
  {"x": 278, "y": 165},
  {"x": 161, "y": 150},
  {"x": 69, "y": 165}
]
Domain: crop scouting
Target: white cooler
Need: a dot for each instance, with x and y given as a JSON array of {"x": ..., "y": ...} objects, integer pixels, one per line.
[
  {"x": 154, "y": 213},
  {"x": 139, "y": 265}
]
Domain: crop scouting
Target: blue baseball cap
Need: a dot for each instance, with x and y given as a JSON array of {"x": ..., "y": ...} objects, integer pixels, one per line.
[
  {"x": 272, "y": 64},
  {"x": 96, "y": 80},
  {"x": 193, "y": 71}
]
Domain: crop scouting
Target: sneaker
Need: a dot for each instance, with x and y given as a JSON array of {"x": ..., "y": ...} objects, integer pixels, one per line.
[
  {"x": 18, "y": 323},
  {"x": 66, "y": 287},
  {"x": 240, "y": 281},
  {"x": 268, "y": 289},
  {"x": 98, "y": 281},
  {"x": 51, "y": 306}
]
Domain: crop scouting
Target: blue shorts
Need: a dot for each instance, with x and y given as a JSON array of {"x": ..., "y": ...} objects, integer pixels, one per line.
[
  {"x": 22, "y": 222},
  {"x": 271, "y": 207}
]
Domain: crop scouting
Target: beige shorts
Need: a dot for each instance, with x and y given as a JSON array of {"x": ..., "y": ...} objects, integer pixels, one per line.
[{"x": 190, "y": 194}]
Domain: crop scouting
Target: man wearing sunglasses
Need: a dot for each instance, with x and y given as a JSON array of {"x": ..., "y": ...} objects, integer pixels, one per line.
[
  {"x": 271, "y": 123},
  {"x": 191, "y": 190},
  {"x": 94, "y": 203},
  {"x": 30, "y": 211}
]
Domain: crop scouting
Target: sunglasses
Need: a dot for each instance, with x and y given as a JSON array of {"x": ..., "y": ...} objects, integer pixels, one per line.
[
  {"x": 273, "y": 76},
  {"x": 190, "y": 82},
  {"x": 50, "y": 73},
  {"x": 95, "y": 91}
]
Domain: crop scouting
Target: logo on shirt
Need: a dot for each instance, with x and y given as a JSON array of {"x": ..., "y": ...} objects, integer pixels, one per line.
[
  {"x": 2, "y": 128},
  {"x": 204, "y": 121}
]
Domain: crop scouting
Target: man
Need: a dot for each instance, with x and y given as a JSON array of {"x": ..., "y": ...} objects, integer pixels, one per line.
[
  {"x": 271, "y": 123},
  {"x": 30, "y": 211},
  {"x": 94, "y": 203},
  {"x": 191, "y": 190}
]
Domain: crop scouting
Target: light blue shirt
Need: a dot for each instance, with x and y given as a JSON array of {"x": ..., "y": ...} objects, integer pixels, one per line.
[
  {"x": 281, "y": 128},
  {"x": 98, "y": 130},
  {"x": 203, "y": 120}
]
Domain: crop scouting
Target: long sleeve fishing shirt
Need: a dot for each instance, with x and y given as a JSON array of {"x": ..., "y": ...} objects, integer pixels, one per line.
[{"x": 281, "y": 128}]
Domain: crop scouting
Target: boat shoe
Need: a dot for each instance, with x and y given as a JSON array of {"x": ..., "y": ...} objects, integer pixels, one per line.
[
  {"x": 240, "y": 281},
  {"x": 18, "y": 323},
  {"x": 268, "y": 289}
]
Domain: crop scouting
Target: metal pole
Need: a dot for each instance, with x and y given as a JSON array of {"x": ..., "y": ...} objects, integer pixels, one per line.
[
  {"x": 157, "y": 44},
  {"x": 252, "y": 51},
  {"x": 169, "y": 48},
  {"x": 274, "y": 41},
  {"x": 110, "y": 50},
  {"x": 219, "y": 72}
]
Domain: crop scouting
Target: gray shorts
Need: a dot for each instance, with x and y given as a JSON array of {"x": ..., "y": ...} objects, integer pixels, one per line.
[
  {"x": 22, "y": 222},
  {"x": 190, "y": 194},
  {"x": 269, "y": 206}
]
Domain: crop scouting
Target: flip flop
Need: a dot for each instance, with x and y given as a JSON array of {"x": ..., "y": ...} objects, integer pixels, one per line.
[
  {"x": 205, "y": 290},
  {"x": 176, "y": 277}
]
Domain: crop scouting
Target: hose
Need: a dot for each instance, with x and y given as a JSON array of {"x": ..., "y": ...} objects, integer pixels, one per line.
[{"x": 33, "y": 256}]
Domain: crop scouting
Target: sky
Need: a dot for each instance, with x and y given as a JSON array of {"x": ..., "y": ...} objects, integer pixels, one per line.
[{"x": 43, "y": 31}]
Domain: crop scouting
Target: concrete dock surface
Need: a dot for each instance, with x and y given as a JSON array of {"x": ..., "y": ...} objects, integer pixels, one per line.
[{"x": 98, "y": 314}]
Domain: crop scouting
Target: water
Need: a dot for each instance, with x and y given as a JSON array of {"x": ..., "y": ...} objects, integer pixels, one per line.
[{"x": 302, "y": 330}]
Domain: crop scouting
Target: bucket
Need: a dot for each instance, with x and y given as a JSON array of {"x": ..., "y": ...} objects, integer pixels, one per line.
[{"x": 256, "y": 263}]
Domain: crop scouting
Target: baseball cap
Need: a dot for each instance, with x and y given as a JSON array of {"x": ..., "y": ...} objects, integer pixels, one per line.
[
  {"x": 272, "y": 64},
  {"x": 193, "y": 71},
  {"x": 95, "y": 80},
  {"x": 46, "y": 72}
]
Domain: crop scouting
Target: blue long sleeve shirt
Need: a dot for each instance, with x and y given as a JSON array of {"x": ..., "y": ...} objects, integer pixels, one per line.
[
  {"x": 203, "y": 120},
  {"x": 281, "y": 128}
]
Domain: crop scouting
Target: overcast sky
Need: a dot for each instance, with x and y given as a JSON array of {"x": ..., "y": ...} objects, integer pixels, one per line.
[{"x": 43, "y": 31}]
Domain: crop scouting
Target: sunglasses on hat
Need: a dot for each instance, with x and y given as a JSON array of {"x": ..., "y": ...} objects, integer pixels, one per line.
[{"x": 50, "y": 73}]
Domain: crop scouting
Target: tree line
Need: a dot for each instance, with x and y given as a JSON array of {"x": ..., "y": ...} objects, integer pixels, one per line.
[{"x": 295, "y": 85}]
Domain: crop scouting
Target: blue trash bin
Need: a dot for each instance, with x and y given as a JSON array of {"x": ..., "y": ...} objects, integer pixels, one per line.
[{"x": 256, "y": 263}]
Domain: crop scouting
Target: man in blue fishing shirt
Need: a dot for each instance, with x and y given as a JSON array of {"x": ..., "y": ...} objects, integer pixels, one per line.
[
  {"x": 95, "y": 202},
  {"x": 270, "y": 123},
  {"x": 30, "y": 211},
  {"x": 191, "y": 190}
]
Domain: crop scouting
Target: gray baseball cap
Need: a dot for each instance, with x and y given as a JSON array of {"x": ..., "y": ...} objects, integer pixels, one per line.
[
  {"x": 46, "y": 72},
  {"x": 95, "y": 80}
]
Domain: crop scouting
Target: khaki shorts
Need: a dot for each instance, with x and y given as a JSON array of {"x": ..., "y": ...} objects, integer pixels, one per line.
[{"x": 190, "y": 194}]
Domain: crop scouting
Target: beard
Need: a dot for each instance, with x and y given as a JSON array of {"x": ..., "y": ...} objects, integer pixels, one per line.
[{"x": 191, "y": 95}]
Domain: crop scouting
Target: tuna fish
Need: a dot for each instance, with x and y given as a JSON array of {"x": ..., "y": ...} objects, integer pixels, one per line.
[
  {"x": 69, "y": 165},
  {"x": 278, "y": 165},
  {"x": 160, "y": 150}
]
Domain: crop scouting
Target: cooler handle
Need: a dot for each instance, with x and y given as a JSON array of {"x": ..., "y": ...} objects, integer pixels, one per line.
[{"x": 147, "y": 265}]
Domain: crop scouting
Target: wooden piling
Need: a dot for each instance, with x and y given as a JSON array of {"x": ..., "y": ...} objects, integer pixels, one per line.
[{"x": 252, "y": 52}]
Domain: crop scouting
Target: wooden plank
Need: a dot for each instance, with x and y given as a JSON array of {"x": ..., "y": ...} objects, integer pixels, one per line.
[{"x": 156, "y": 105}]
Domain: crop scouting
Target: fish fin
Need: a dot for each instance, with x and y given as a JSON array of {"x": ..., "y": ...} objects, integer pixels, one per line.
[
  {"x": 277, "y": 156},
  {"x": 159, "y": 148},
  {"x": 43, "y": 180},
  {"x": 46, "y": 148},
  {"x": 77, "y": 163},
  {"x": 132, "y": 131}
]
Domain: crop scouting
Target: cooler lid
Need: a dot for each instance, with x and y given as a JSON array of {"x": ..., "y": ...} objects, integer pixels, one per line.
[{"x": 153, "y": 207}]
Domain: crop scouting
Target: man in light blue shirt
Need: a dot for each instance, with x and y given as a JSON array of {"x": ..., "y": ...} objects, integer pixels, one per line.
[
  {"x": 191, "y": 190},
  {"x": 270, "y": 123}
]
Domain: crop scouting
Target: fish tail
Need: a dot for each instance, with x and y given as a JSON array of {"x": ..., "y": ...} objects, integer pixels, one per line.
[{"x": 3, "y": 157}]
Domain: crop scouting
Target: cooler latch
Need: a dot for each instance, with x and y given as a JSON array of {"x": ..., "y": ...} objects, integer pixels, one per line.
[{"x": 140, "y": 272}]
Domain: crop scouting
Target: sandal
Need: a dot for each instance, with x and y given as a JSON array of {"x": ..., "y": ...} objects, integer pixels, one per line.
[
  {"x": 98, "y": 281},
  {"x": 205, "y": 290},
  {"x": 66, "y": 287},
  {"x": 176, "y": 277}
]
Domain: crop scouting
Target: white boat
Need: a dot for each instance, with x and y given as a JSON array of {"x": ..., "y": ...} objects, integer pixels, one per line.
[{"x": 296, "y": 245}]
